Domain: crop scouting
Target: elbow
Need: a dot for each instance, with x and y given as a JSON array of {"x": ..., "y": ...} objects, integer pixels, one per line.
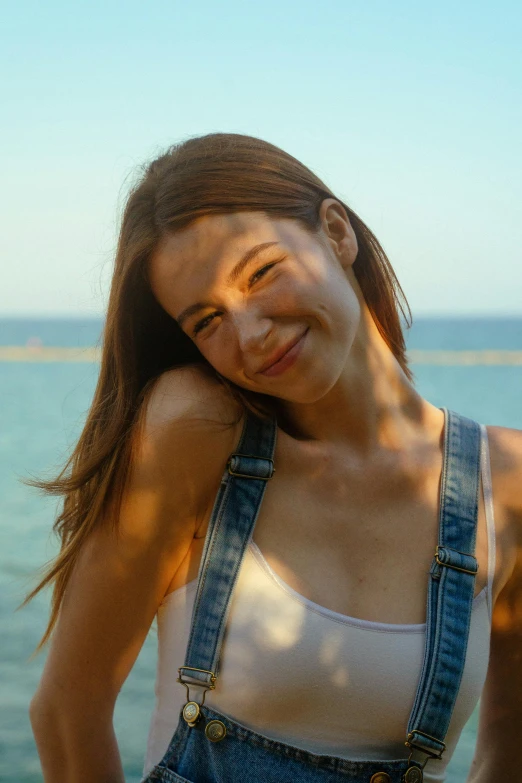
[
  {"x": 74, "y": 745},
  {"x": 38, "y": 708},
  {"x": 49, "y": 741},
  {"x": 42, "y": 714}
]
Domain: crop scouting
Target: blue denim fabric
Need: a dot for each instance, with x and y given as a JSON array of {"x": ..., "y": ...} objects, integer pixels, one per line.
[{"x": 244, "y": 756}]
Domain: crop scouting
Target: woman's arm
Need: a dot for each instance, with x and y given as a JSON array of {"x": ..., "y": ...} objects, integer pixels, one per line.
[
  {"x": 499, "y": 740},
  {"x": 121, "y": 577},
  {"x": 76, "y": 744}
]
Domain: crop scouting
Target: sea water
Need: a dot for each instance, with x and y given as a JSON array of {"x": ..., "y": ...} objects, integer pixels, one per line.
[{"x": 42, "y": 410}]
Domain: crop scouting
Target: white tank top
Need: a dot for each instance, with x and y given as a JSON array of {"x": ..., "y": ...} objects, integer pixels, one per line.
[{"x": 286, "y": 660}]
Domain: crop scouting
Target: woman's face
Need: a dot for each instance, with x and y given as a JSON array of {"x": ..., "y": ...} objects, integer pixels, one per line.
[{"x": 271, "y": 307}]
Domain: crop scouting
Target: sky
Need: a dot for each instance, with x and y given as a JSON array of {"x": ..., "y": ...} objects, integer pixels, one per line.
[{"x": 410, "y": 112}]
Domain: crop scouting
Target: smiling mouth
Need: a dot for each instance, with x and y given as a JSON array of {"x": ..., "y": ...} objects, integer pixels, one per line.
[{"x": 286, "y": 359}]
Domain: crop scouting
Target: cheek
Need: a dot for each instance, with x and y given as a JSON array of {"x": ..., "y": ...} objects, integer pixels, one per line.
[
  {"x": 213, "y": 352},
  {"x": 336, "y": 305},
  {"x": 347, "y": 314},
  {"x": 220, "y": 349},
  {"x": 298, "y": 297}
]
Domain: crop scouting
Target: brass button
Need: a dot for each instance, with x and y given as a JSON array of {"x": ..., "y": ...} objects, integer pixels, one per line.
[
  {"x": 215, "y": 730},
  {"x": 413, "y": 775},
  {"x": 191, "y": 712},
  {"x": 380, "y": 777}
]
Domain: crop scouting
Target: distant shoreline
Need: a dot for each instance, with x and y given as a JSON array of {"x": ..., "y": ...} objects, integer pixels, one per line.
[
  {"x": 40, "y": 353},
  {"x": 44, "y": 354}
]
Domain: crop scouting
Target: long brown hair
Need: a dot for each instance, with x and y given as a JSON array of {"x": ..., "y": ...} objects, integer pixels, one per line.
[{"x": 218, "y": 173}]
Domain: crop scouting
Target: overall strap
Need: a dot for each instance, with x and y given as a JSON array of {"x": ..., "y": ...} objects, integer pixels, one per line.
[
  {"x": 451, "y": 588},
  {"x": 231, "y": 526}
]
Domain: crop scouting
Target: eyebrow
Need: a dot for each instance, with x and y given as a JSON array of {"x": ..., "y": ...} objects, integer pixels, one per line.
[{"x": 233, "y": 276}]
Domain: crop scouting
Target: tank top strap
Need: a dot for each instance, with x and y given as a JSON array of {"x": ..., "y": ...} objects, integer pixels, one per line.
[
  {"x": 230, "y": 528},
  {"x": 451, "y": 587}
]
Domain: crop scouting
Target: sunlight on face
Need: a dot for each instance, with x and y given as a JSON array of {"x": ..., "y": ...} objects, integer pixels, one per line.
[{"x": 253, "y": 291}]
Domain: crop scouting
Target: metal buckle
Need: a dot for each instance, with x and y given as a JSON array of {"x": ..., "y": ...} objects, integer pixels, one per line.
[
  {"x": 203, "y": 684},
  {"x": 456, "y": 568},
  {"x": 213, "y": 677},
  {"x": 430, "y": 753},
  {"x": 245, "y": 475}
]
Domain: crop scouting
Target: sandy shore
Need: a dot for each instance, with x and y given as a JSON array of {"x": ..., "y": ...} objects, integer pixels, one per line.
[{"x": 14, "y": 353}]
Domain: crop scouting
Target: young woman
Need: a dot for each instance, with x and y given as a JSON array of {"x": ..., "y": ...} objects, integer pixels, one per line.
[{"x": 333, "y": 560}]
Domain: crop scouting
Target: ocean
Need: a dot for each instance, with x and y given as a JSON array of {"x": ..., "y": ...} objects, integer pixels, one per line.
[{"x": 42, "y": 410}]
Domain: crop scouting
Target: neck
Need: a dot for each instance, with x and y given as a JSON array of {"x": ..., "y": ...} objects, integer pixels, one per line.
[{"x": 372, "y": 406}]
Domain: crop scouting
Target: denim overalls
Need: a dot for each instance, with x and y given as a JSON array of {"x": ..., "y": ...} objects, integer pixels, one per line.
[{"x": 209, "y": 747}]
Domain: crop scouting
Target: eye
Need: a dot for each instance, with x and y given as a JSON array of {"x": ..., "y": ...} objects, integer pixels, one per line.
[
  {"x": 253, "y": 279},
  {"x": 203, "y": 323},
  {"x": 260, "y": 272}
]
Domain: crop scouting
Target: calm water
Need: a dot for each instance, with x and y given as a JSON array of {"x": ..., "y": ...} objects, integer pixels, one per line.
[{"x": 42, "y": 410}]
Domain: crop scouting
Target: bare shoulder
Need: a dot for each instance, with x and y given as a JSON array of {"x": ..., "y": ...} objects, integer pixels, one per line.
[
  {"x": 187, "y": 427},
  {"x": 184, "y": 393},
  {"x": 500, "y": 722},
  {"x": 505, "y": 446},
  {"x": 506, "y": 452}
]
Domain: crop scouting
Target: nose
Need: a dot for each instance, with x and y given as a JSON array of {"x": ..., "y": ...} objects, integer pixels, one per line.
[{"x": 252, "y": 329}]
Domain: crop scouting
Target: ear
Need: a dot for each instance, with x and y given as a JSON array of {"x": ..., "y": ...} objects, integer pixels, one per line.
[{"x": 338, "y": 231}]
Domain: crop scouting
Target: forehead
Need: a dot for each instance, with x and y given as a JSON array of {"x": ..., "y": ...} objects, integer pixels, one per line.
[
  {"x": 216, "y": 237},
  {"x": 194, "y": 256}
]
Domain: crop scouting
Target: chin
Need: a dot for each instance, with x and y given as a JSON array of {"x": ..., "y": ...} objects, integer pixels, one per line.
[{"x": 303, "y": 390}]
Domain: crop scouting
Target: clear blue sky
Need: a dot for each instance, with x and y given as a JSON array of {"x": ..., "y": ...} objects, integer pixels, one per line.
[{"x": 410, "y": 111}]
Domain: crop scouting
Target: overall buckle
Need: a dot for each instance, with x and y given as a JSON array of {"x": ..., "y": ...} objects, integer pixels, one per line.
[
  {"x": 451, "y": 565},
  {"x": 192, "y": 709},
  {"x": 231, "y": 466},
  {"x": 430, "y": 752}
]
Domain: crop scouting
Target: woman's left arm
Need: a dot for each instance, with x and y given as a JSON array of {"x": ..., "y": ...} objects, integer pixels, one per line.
[{"x": 498, "y": 754}]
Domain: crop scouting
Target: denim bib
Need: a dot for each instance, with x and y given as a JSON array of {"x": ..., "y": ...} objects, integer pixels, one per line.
[{"x": 210, "y": 747}]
